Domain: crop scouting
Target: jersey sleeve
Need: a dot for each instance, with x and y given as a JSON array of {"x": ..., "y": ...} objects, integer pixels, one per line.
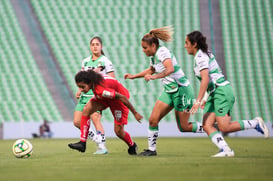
[
  {"x": 202, "y": 62},
  {"x": 103, "y": 92},
  {"x": 109, "y": 66},
  {"x": 163, "y": 54},
  {"x": 82, "y": 66},
  {"x": 84, "y": 63}
]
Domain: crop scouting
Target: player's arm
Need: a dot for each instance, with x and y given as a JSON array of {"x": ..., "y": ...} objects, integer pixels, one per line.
[
  {"x": 111, "y": 74},
  {"x": 78, "y": 94},
  {"x": 148, "y": 71},
  {"x": 203, "y": 88},
  {"x": 128, "y": 104},
  {"x": 168, "y": 70}
]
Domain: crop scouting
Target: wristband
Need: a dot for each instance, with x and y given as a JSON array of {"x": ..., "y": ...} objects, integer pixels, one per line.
[{"x": 197, "y": 102}]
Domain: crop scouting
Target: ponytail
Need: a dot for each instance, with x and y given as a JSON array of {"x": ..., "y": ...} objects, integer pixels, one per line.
[{"x": 164, "y": 34}]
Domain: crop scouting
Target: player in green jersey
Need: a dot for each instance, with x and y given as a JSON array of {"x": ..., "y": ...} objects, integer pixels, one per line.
[
  {"x": 220, "y": 101},
  {"x": 99, "y": 63},
  {"x": 177, "y": 94}
]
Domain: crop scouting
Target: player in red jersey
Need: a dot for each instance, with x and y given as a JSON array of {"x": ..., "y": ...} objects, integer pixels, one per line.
[{"x": 108, "y": 93}]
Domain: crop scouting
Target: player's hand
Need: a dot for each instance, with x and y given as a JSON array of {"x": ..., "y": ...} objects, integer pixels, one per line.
[
  {"x": 78, "y": 94},
  {"x": 138, "y": 117},
  {"x": 202, "y": 106},
  {"x": 148, "y": 77},
  {"x": 128, "y": 76},
  {"x": 194, "y": 108}
]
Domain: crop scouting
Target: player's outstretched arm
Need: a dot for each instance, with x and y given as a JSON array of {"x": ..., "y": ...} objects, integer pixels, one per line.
[
  {"x": 147, "y": 71},
  {"x": 128, "y": 104}
]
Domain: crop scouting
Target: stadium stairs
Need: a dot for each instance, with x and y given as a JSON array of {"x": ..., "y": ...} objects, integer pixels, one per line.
[{"x": 45, "y": 59}]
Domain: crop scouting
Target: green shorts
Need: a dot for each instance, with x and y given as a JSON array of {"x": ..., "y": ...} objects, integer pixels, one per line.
[
  {"x": 83, "y": 100},
  {"x": 220, "y": 101},
  {"x": 180, "y": 100}
]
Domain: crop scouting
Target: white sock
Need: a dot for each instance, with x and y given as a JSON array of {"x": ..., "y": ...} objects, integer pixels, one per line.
[
  {"x": 92, "y": 134},
  {"x": 152, "y": 137},
  {"x": 199, "y": 128},
  {"x": 219, "y": 141},
  {"x": 250, "y": 124}
]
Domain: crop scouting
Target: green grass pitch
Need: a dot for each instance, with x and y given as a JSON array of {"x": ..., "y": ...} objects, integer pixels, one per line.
[{"x": 178, "y": 159}]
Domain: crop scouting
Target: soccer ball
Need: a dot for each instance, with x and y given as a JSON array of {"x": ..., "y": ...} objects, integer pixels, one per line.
[{"x": 22, "y": 148}]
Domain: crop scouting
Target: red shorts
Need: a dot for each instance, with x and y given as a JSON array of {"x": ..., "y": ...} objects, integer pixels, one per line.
[{"x": 118, "y": 109}]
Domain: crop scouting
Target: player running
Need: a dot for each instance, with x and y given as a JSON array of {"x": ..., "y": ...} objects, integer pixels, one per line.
[
  {"x": 177, "y": 94},
  {"x": 221, "y": 98},
  {"x": 108, "y": 93}
]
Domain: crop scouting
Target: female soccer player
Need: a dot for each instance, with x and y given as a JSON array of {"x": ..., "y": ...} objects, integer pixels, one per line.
[
  {"x": 221, "y": 98},
  {"x": 99, "y": 63},
  {"x": 177, "y": 94},
  {"x": 108, "y": 93}
]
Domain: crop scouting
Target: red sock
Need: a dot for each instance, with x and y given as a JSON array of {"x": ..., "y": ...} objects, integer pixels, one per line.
[
  {"x": 127, "y": 138},
  {"x": 85, "y": 125}
]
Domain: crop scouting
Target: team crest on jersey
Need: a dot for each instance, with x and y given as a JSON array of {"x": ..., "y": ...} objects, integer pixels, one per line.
[{"x": 118, "y": 114}]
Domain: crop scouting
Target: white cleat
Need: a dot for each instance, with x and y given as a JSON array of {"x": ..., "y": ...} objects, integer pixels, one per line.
[
  {"x": 261, "y": 127},
  {"x": 101, "y": 151},
  {"x": 223, "y": 153}
]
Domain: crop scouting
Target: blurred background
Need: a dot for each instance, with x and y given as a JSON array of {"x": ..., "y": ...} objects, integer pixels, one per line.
[{"x": 42, "y": 44}]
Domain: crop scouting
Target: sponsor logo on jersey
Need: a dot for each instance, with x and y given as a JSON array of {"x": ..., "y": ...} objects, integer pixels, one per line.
[{"x": 107, "y": 94}]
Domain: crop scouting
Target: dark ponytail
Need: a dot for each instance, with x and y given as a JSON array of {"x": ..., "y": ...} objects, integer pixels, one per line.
[{"x": 198, "y": 38}]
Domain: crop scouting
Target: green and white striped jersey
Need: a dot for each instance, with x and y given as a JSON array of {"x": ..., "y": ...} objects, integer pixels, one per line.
[
  {"x": 102, "y": 61},
  {"x": 203, "y": 61},
  {"x": 174, "y": 80}
]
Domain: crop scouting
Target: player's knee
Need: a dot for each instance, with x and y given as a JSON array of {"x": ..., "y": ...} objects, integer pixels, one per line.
[
  {"x": 207, "y": 127},
  {"x": 119, "y": 133},
  {"x": 77, "y": 123},
  {"x": 153, "y": 122},
  {"x": 86, "y": 111},
  {"x": 223, "y": 129}
]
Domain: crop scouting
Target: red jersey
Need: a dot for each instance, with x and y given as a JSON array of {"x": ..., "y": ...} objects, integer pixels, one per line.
[
  {"x": 108, "y": 89},
  {"x": 105, "y": 94}
]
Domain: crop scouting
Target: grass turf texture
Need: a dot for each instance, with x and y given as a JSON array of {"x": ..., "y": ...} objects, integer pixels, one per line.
[{"x": 178, "y": 159}]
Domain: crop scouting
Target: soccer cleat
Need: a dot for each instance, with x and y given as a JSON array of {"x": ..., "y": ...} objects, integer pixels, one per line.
[
  {"x": 132, "y": 150},
  {"x": 80, "y": 146},
  {"x": 101, "y": 151},
  {"x": 148, "y": 153},
  {"x": 223, "y": 153},
  {"x": 261, "y": 127}
]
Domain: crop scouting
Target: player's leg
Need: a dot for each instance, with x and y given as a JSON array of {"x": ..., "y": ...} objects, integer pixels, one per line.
[
  {"x": 99, "y": 136},
  {"x": 120, "y": 113},
  {"x": 78, "y": 115},
  {"x": 89, "y": 109},
  {"x": 159, "y": 111},
  {"x": 215, "y": 136},
  {"x": 224, "y": 100},
  {"x": 183, "y": 102},
  {"x": 183, "y": 124},
  {"x": 125, "y": 136}
]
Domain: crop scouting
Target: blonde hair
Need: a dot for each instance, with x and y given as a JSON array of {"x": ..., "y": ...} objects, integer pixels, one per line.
[{"x": 164, "y": 33}]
